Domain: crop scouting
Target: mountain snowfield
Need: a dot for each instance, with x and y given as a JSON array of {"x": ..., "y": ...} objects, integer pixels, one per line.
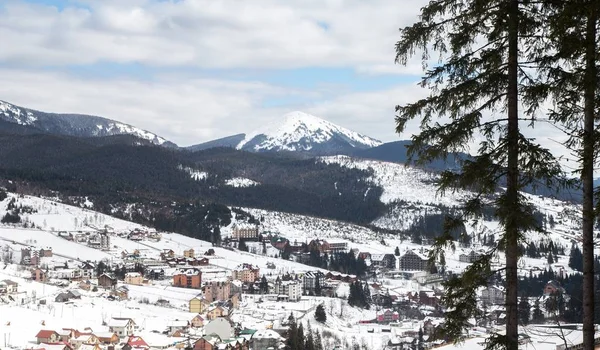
[
  {"x": 73, "y": 124},
  {"x": 412, "y": 193},
  {"x": 299, "y": 131}
]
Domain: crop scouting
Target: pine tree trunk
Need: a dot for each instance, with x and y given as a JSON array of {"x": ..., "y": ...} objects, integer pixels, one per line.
[
  {"x": 512, "y": 179},
  {"x": 587, "y": 178}
]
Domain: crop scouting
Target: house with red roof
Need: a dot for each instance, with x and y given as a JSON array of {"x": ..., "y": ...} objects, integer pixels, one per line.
[
  {"x": 136, "y": 342},
  {"x": 47, "y": 336}
]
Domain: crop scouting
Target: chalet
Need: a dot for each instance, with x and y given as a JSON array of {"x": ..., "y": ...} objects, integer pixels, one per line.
[
  {"x": 84, "y": 338},
  {"x": 86, "y": 285},
  {"x": 553, "y": 287},
  {"x": 136, "y": 236},
  {"x": 318, "y": 244},
  {"x": 412, "y": 261},
  {"x": 66, "y": 235},
  {"x": 198, "y": 305},
  {"x": 38, "y": 275},
  {"x": 121, "y": 326},
  {"x": 266, "y": 339},
  {"x": 197, "y": 321},
  {"x": 189, "y": 253},
  {"x": 88, "y": 270},
  {"x": 216, "y": 312},
  {"x": 167, "y": 254},
  {"x": 73, "y": 294},
  {"x": 107, "y": 338},
  {"x": 134, "y": 342},
  {"x": 134, "y": 278},
  {"x": 188, "y": 278},
  {"x": 10, "y": 287},
  {"x": 279, "y": 243},
  {"x": 107, "y": 281},
  {"x": 177, "y": 325},
  {"x": 45, "y": 252},
  {"x": 207, "y": 342},
  {"x": 122, "y": 293},
  {"x": 66, "y": 334},
  {"x": 387, "y": 316},
  {"x": 155, "y": 236},
  {"x": 61, "y": 298},
  {"x": 47, "y": 336}
]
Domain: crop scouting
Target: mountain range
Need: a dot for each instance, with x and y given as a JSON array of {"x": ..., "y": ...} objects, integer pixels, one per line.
[
  {"x": 73, "y": 124},
  {"x": 295, "y": 134}
]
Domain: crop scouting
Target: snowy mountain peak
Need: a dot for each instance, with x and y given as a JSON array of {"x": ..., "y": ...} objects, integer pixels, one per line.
[
  {"x": 73, "y": 124},
  {"x": 299, "y": 131}
]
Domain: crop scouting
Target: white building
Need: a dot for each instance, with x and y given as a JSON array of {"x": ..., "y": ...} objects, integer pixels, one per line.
[{"x": 122, "y": 326}]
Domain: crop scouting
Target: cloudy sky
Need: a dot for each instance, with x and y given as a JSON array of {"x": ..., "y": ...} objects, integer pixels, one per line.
[{"x": 194, "y": 70}]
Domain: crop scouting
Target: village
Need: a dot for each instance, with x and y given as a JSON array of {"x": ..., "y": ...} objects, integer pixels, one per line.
[{"x": 220, "y": 305}]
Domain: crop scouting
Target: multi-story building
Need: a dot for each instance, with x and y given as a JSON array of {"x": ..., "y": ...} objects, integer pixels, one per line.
[
  {"x": 338, "y": 246},
  {"x": 386, "y": 261},
  {"x": 311, "y": 280},
  {"x": 246, "y": 273},
  {"x": 493, "y": 295},
  {"x": 244, "y": 231},
  {"x": 217, "y": 290},
  {"x": 188, "y": 278},
  {"x": 412, "y": 261},
  {"x": 469, "y": 257},
  {"x": 189, "y": 253},
  {"x": 292, "y": 289}
]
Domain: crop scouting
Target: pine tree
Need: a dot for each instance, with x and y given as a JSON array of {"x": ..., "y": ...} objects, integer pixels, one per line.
[
  {"x": 421, "y": 342},
  {"x": 242, "y": 245},
  {"x": 573, "y": 74},
  {"x": 481, "y": 70},
  {"x": 397, "y": 251},
  {"x": 318, "y": 341},
  {"x": 292, "y": 336},
  {"x": 320, "y": 314},
  {"x": 524, "y": 310},
  {"x": 576, "y": 259},
  {"x": 309, "y": 344},
  {"x": 538, "y": 315},
  {"x": 300, "y": 337},
  {"x": 550, "y": 259}
]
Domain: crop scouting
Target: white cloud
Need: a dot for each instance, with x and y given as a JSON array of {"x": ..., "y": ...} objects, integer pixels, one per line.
[{"x": 209, "y": 34}]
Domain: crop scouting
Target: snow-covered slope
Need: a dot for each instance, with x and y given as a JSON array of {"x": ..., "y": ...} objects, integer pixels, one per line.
[
  {"x": 298, "y": 131},
  {"x": 73, "y": 124},
  {"x": 411, "y": 194}
]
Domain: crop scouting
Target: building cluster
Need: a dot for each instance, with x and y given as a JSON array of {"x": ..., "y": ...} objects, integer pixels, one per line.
[
  {"x": 97, "y": 240},
  {"x": 63, "y": 271}
]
